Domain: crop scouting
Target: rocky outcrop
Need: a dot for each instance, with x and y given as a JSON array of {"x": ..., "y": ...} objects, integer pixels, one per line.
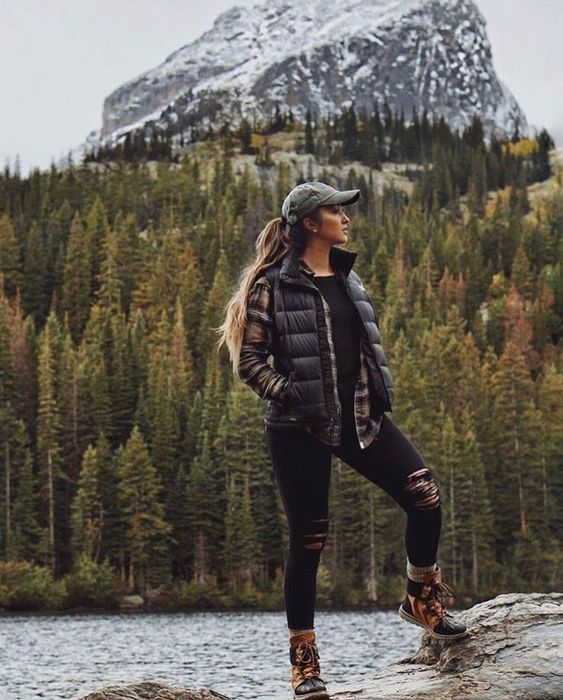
[
  {"x": 415, "y": 54},
  {"x": 514, "y": 650}
]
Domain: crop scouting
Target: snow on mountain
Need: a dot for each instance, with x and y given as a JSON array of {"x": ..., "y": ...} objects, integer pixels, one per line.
[{"x": 323, "y": 56}]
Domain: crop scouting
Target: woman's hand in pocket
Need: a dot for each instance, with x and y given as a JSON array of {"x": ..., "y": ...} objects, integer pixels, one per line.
[{"x": 289, "y": 398}]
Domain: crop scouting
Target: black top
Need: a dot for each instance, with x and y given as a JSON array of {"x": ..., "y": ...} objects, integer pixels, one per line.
[{"x": 346, "y": 328}]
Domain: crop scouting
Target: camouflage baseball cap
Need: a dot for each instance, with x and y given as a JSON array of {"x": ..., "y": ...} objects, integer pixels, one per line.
[{"x": 309, "y": 195}]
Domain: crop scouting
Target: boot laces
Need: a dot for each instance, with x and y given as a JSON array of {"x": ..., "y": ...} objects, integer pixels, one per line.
[
  {"x": 307, "y": 658},
  {"x": 434, "y": 601}
]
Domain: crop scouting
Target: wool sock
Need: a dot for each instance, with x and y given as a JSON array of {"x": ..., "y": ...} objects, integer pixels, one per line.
[
  {"x": 416, "y": 573},
  {"x": 293, "y": 633}
]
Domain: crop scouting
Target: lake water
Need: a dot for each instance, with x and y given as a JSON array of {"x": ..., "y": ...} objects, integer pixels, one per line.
[{"x": 239, "y": 654}]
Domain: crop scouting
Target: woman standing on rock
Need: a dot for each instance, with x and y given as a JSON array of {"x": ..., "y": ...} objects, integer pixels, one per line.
[{"x": 327, "y": 393}]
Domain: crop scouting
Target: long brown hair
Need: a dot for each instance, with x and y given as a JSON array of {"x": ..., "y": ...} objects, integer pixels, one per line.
[{"x": 274, "y": 241}]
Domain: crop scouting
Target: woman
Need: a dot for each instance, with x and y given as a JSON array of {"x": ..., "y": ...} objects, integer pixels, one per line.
[{"x": 330, "y": 385}]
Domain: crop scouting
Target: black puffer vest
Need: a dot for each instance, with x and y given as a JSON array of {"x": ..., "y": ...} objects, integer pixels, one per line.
[{"x": 301, "y": 347}]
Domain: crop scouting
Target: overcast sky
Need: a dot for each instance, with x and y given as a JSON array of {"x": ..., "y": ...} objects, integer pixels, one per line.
[{"x": 59, "y": 59}]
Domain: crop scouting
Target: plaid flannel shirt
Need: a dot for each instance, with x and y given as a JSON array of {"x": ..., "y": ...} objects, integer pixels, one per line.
[{"x": 262, "y": 378}]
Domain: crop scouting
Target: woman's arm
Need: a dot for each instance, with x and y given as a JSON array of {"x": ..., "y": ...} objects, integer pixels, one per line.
[{"x": 253, "y": 367}]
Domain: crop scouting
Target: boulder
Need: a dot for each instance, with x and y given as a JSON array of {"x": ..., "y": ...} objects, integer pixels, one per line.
[
  {"x": 131, "y": 602},
  {"x": 149, "y": 690}
]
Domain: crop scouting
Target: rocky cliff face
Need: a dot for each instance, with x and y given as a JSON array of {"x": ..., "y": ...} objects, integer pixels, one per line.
[{"x": 324, "y": 56}]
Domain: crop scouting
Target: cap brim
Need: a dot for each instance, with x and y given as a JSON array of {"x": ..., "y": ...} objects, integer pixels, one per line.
[{"x": 343, "y": 197}]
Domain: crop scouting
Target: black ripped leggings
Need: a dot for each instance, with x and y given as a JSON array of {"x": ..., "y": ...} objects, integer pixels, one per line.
[{"x": 302, "y": 466}]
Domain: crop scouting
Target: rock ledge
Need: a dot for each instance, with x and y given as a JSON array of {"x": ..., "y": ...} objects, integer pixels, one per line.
[{"x": 514, "y": 649}]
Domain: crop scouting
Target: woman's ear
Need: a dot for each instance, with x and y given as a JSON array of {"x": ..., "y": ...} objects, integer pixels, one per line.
[{"x": 310, "y": 225}]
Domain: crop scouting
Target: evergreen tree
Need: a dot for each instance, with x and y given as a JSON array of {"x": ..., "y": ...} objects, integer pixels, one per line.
[
  {"x": 205, "y": 521},
  {"x": 87, "y": 511},
  {"x": 240, "y": 549},
  {"x": 96, "y": 234},
  {"x": 48, "y": 443},
  {"x": 176, "y": 507},
  {"x": 14, "y": 457},
  {"x": 520, "y": 275},
  {"x": 245, "y": 457},
  {"x": 474, "y": 513},
  {"x": 350, "y": 134},
  {"x": 550, "y": 392},
  {"x": 113, "y": 530},
  {"x": 94, "y": 361},
  {"x": 77, "y": 279},
  {"x": 513, "y": 476},
  {"x": 35, "y": 272},
  {"x": 245, "y": 136},
  {"x": 27, "y": 535},
  {"x": 163, "y": 412},
  {"x": 10, "y": 258},
  {"x": 146, "y": 530},
  {"x": 7, "y": 387}
]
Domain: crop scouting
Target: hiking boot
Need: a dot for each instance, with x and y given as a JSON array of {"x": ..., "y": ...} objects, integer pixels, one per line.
[
  {"x": 305, "y": 669},
  {"x": 423, "y": 605}
]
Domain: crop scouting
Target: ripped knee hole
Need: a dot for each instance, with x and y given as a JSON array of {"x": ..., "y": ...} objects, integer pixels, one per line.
[
  {"x": 422, "y": 489},
  {"x": 316, "y": 540}
]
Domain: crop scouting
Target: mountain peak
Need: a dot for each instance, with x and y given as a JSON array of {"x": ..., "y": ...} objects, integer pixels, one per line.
[{"x": 415, "y": 54}]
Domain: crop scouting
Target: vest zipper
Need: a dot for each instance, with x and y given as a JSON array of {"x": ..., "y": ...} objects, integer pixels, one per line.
[
  {"x": 362, "y": 360},
  {"x": 336, "y": 422}
]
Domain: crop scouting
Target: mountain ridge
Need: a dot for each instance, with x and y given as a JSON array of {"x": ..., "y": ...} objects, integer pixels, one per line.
[{"x": 415, "y": 54}]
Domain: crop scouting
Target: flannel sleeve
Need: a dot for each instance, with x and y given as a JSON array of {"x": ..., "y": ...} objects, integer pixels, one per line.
[{"x": 253, "y": 368}]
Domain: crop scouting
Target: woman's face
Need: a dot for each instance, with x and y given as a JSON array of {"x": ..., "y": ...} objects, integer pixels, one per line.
[{"x": 333, "y": 226}]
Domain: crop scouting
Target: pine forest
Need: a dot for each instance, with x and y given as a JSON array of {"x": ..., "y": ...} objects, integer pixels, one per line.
[{"x": 133, "y": 460}]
